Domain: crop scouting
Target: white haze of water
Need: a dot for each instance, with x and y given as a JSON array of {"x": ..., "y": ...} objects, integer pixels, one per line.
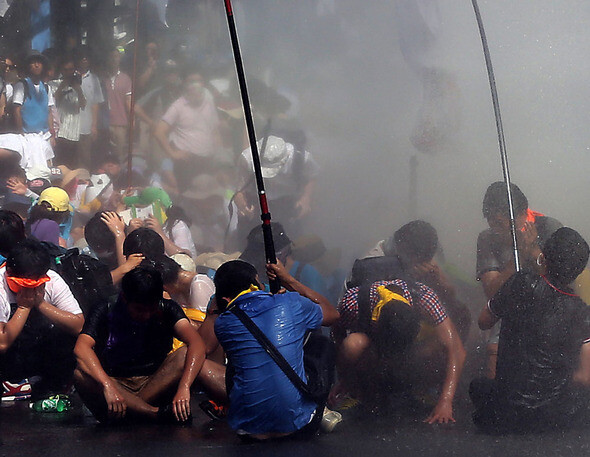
[{"x": 358, "y": 99}]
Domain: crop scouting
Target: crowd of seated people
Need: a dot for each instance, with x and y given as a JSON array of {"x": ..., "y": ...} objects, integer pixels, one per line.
[
  {"x": 133, "y": 284},
  {"x": 164, "y": 323}
]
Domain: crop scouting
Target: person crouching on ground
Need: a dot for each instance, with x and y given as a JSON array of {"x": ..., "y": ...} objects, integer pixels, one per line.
[
  {"x": 125, "y": 367},
  {"x": 391, "y": 343},
  {"x": 263, "y": 401},
  {"x": 543, "y": 368}
]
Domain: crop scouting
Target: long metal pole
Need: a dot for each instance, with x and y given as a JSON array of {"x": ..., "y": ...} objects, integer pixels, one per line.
[
  {"x": 131, "y": 132},
  {"x": 501, "y": 142},
  {"x": 269, "y": 248}
]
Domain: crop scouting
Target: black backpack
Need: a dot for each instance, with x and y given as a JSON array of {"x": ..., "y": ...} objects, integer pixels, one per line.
[
  {"x": 88, "y": 278},
  {"x": 369, "y": 270}
]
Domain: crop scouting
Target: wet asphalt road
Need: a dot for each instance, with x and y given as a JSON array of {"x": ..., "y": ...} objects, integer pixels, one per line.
[{"x": 27, "y": 433}]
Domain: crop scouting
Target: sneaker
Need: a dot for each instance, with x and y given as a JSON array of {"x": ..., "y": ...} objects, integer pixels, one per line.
[
  {"x": 329, "y": 420},
  {"x": 213, "y": 410},
  {"x": 16, "y": 391}
]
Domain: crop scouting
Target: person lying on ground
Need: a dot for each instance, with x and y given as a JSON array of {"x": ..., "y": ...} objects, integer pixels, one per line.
[
  {"x": 543, "y": 369},
  {"x": 125, "y": 367}
]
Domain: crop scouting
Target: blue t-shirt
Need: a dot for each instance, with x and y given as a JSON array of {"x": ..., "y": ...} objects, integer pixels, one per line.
[
  {"x": 309, "y": 276},
  {"x": 262, "y": 399}
]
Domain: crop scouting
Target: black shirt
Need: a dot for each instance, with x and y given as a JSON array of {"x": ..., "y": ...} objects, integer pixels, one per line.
[
  {"x": 129, "y": 348},
  {"x": 542, "y": 332},
  {"x": 493, "y": 254}
]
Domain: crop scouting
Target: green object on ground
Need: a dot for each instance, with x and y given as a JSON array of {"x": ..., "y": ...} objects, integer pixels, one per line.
[{"x": 53, "y": 404}]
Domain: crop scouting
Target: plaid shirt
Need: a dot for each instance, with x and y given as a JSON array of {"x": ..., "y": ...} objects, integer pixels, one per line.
[{"x": 428, "y": 303}]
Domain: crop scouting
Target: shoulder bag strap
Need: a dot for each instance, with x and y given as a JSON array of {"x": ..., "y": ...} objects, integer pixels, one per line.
[{"x": 271, "y": 350}]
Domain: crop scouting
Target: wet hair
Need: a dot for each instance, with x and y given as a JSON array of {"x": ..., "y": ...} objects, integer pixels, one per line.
[
  {"x": 231, "y": 278},
  {"x": 144, "y": 241},
  {"x": 418, "y": 238},
  {"x": 396, "y": 329},
  {"x": 496, "y": 200},
  {"x": 168, "y": 268},
  {"x": 12, "y": 231},
  {"x": 29, "y": 259},
  {"x": 98, "y": 235},
  {"x": 143, "y": 285},
  {"x": 566, "y": 255}
]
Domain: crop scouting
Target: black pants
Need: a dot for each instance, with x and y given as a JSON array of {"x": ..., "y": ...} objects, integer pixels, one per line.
[
  {"x": 42, "y": 350},
  {"x": 493, "y": 415}
]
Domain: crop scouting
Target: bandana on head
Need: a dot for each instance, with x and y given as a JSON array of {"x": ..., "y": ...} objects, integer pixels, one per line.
[{"x": 16, "y": 284}]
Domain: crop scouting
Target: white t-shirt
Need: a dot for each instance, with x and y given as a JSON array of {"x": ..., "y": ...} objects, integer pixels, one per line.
[
  {"x": 181, "y": 236},
  {"x": 202, "y": 288},
  {"x": 57, "y": 293}
]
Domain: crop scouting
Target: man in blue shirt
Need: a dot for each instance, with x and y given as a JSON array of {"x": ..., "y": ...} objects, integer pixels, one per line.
[{"x": 263, "y": 401}]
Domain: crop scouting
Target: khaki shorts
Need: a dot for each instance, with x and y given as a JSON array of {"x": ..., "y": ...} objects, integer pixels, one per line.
[{"x": 134, "y": 384}]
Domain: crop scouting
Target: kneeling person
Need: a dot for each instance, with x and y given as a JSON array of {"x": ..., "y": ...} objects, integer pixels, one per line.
[
  {"x": 124, "y": 360},
  {"x": 543, "y": 370},
  {"x": 264, "y": 403}
]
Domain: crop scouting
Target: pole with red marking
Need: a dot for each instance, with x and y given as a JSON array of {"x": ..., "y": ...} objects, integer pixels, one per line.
[{"x": 269, "y": 248}]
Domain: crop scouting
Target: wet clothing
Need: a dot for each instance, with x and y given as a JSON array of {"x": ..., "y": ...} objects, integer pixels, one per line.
[
  {"x": 129, "y": 348},
  {"x": 427, "y": 303},
  {"x": 493, "y": 254},
  {"x": 42, "y": 348},
  {"x": 262, "y": 399},
  {"x": 543, "y": 330}
]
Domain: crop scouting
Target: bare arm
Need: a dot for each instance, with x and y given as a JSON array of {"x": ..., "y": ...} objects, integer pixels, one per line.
[
  {"x": 169, "y": 246},
  {"x": 195, "y": 357},
  {"x": 140, "y": 112},
  {"x": 448, "y": 336},
  {"x": 493, "y": 280},
  {"x": 582, "y": 374},
  {"x": 278, "y": 270},
  {"x": 207, "y": 332},
  {"x": 89, "y": 364},
  {"x": 18, "y": 118},
  {"x": 117, "y": 227},
  {"x": 71, "y": 323},
  {"x": 304, "y": 202},
  {"x": 486, "y": 318},
  {"x": 132, "y": 261},
  {"x": 2, "y": 104}
]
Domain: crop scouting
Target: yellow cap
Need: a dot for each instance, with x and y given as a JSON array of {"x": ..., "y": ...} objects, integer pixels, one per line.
[{"x": 57, "y": 198}]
